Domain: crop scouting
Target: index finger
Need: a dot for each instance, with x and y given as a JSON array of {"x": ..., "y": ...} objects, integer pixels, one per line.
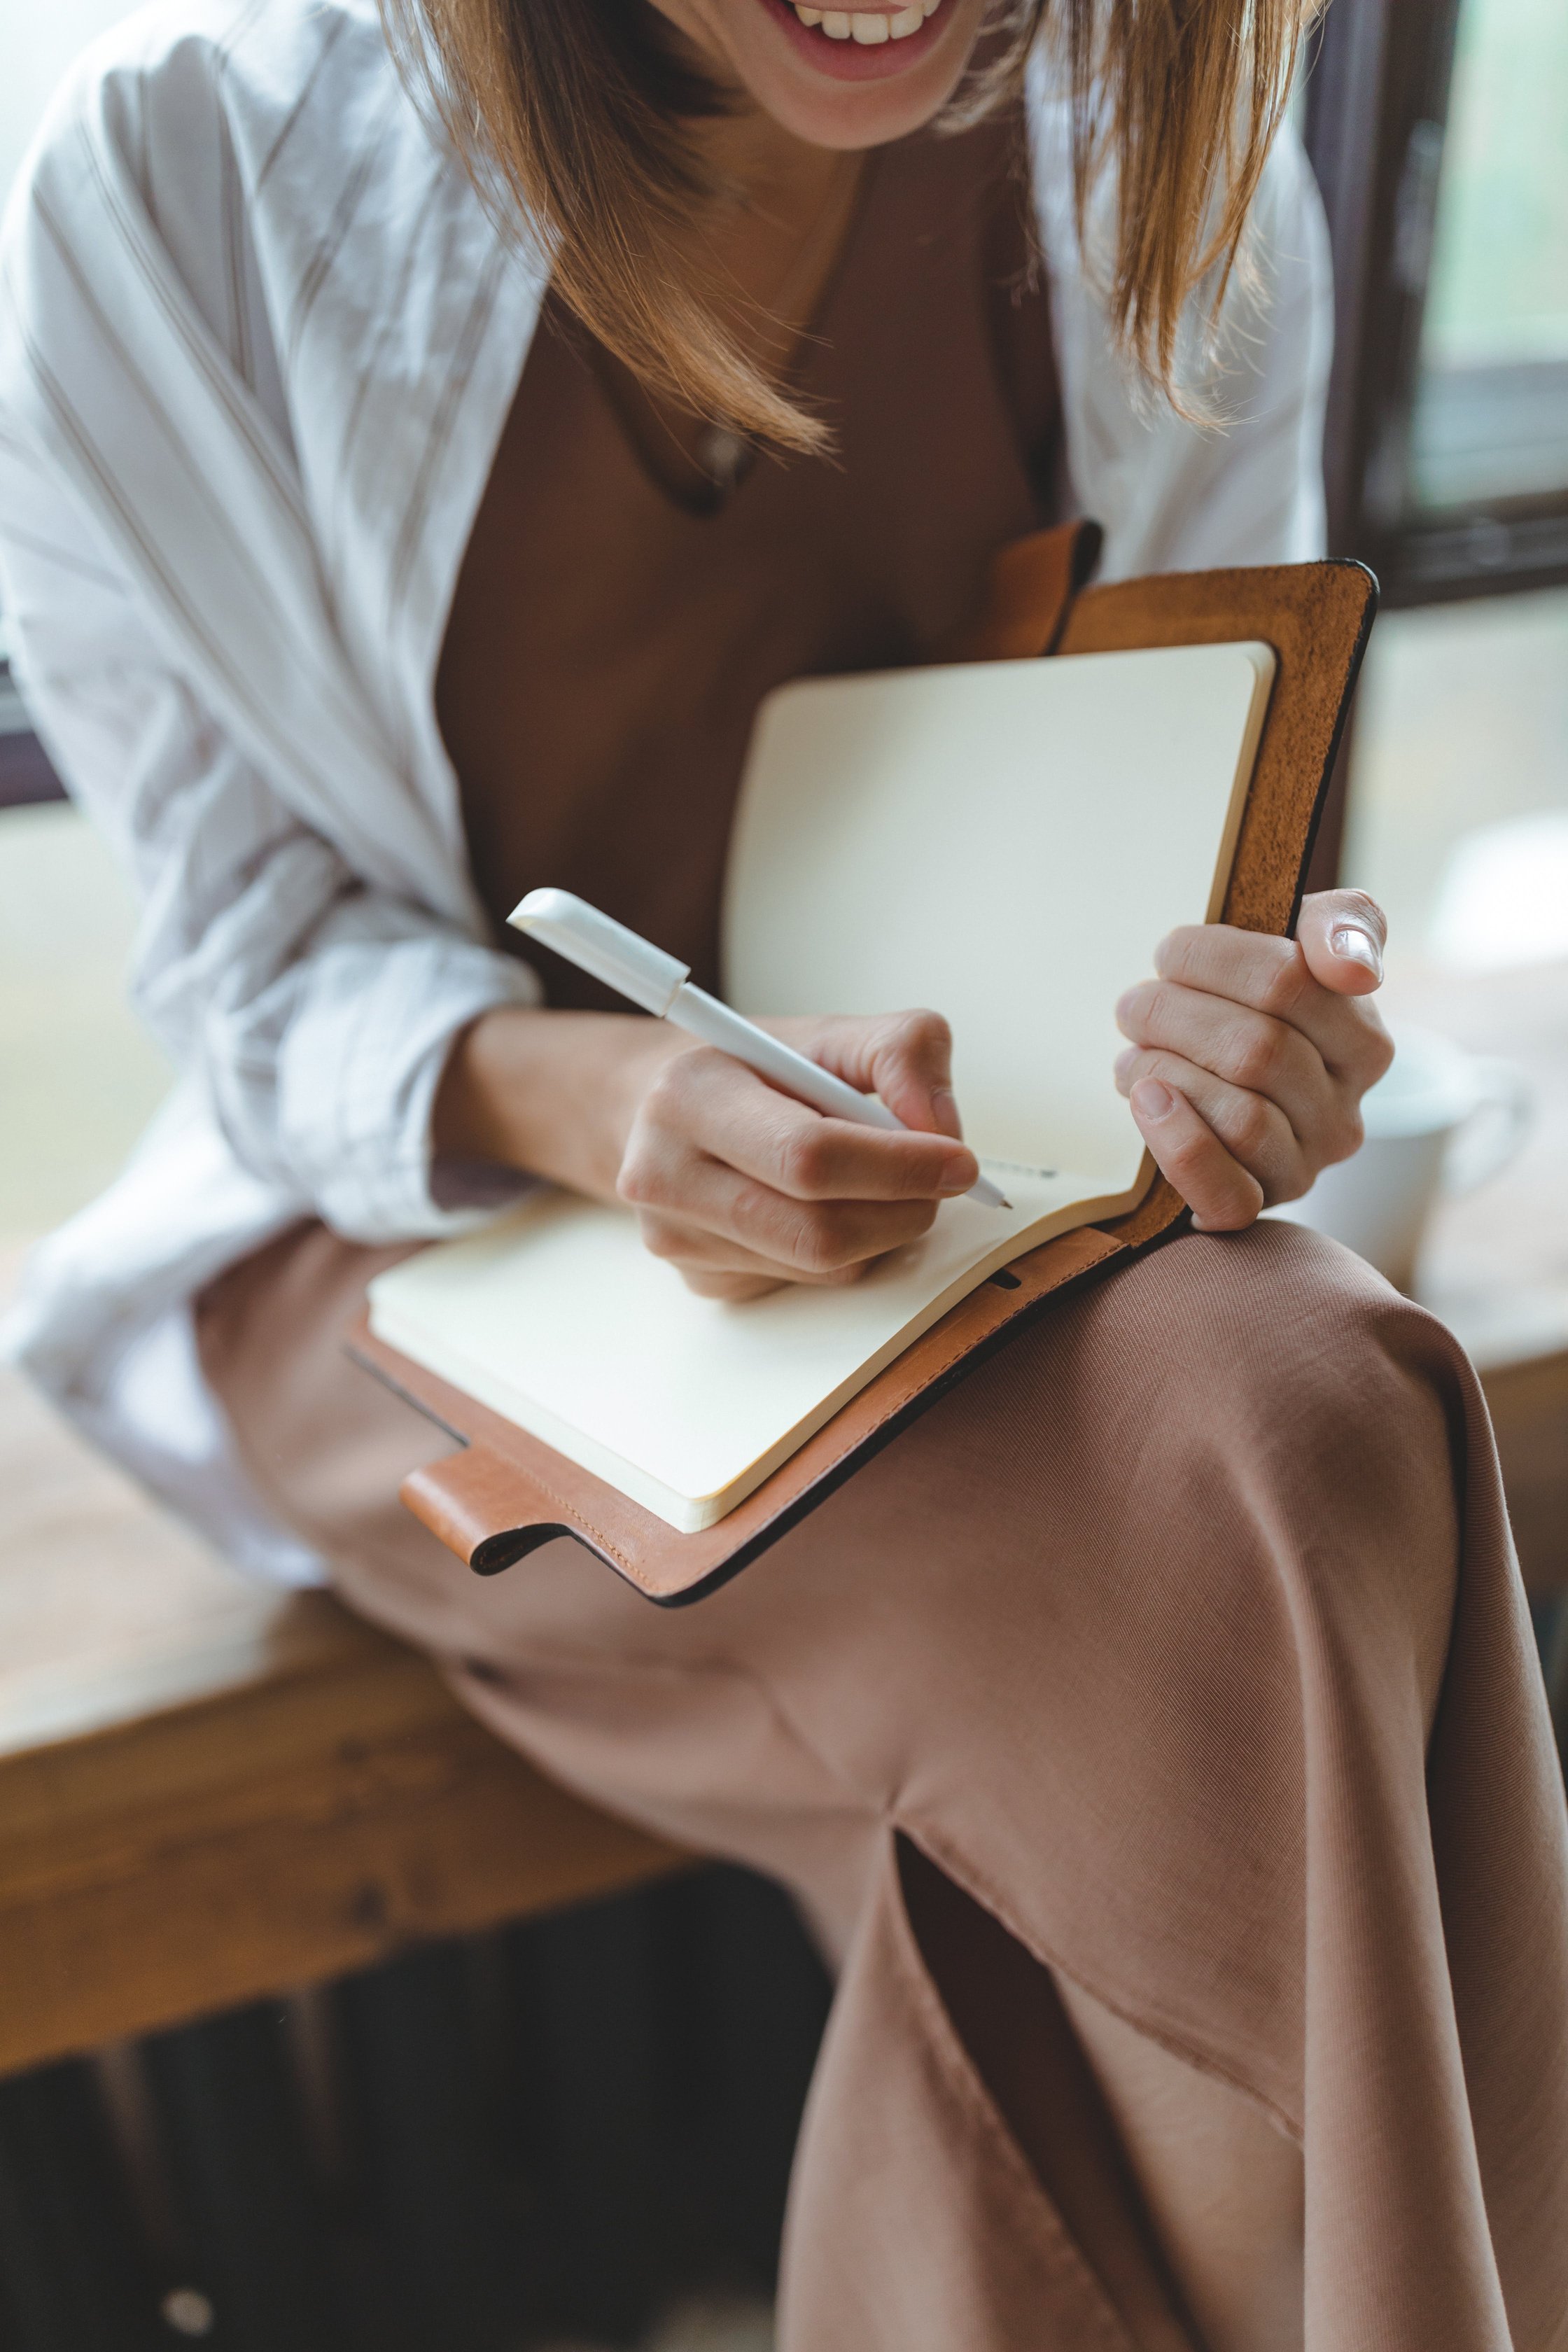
[
  {"x": 1273, "y": 976},
  {"x": 737, "y": 1117},
  {"x": 905, "y": 1057}
]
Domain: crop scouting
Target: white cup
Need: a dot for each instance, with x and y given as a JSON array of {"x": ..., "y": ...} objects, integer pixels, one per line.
[{"x": 1442, "y": 1120}]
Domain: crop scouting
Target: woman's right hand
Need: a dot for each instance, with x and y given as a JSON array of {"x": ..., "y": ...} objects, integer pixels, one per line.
[{"x": 739, "y": 1186}]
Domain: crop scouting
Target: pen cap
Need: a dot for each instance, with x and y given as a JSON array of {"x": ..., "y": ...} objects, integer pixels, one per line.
[{"x": 597, "y": 944}]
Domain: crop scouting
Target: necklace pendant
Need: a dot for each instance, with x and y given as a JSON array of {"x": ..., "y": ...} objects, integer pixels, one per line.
[{"x": 724, "y": 456}]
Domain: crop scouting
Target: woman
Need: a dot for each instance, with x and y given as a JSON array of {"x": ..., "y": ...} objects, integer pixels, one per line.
[{"x": 395, "y": 516}]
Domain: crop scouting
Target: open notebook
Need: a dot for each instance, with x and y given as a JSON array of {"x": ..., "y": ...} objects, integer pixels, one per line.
[{"x": 952, "y": 837}]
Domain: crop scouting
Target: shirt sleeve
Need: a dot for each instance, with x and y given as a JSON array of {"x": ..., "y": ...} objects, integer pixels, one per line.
[
  {"x": 318, "y": 1011},
  {"x": 1244, "y": 485}
]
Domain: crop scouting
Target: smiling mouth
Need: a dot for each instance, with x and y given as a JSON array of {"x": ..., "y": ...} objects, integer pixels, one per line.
[{"x": 870, "y": 30}]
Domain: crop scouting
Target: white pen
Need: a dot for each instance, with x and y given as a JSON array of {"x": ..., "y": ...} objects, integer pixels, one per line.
[{"x": 596, "y": 943}]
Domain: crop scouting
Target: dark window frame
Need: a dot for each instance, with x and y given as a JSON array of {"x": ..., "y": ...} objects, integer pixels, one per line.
[{"x": 1379, "y": 74}]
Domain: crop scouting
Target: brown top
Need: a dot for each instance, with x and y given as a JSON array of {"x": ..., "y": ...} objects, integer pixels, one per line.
[{"x": 610, "y": 639}]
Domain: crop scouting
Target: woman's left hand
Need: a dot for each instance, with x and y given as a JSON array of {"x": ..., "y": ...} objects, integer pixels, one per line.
[{"x": 1250, "y": 1055}]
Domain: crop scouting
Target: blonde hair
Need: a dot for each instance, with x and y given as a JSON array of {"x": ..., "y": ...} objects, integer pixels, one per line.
[{"x": 579, "y": 114}]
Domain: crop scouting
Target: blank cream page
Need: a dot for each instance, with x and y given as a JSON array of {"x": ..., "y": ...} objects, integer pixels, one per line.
[
  {"x": 1005, "y": 842},
  {"x": 560, "y": 1320}
]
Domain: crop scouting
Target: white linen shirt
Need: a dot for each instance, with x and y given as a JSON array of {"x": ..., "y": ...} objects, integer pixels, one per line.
[{"x": 258, "y": 337}]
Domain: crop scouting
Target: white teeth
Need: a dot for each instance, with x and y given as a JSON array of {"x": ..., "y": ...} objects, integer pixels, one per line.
[{"x": 842, "y": 24}]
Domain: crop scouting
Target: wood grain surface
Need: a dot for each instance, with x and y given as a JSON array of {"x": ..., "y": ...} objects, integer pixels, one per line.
[{"x": 210, "y": 1790}]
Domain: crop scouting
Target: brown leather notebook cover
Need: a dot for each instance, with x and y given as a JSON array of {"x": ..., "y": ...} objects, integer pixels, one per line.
[{"x": 502, "y": 1492}]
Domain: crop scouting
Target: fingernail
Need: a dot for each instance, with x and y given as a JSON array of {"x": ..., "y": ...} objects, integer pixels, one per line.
[
  {"x": 1153, "y": 1099},
  {"x": 1126, "y": 1061},
  {"x": 945, "y": 1108},
  {"x": 1358, "y": 947},
  {"x": 957, "y": 1175}
]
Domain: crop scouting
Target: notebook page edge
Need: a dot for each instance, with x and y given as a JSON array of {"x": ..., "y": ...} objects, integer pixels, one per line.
[
  {"x": 690, "y": 1513},
  {"x": 412, "y": 1339}
]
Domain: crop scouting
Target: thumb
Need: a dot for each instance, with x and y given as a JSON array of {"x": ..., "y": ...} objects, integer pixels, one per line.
[{"x": 1341, "y": 935}]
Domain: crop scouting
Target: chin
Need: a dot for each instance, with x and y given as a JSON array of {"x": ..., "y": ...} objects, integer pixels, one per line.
[{"x": 849, "y": 92}]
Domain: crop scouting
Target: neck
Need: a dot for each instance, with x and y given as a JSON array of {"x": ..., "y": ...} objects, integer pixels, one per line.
[{"x": 765, "y": 170}]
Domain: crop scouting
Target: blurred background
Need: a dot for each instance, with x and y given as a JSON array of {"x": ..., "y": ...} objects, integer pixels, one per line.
[
  {"x": 1441, "y": 136},
  {"x": 1438, "y": 130}
]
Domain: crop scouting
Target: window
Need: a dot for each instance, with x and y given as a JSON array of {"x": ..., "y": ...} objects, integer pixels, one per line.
[
  {"x": 39, "y": 45},
  {"x": 1439, "y": 134},
  {"x": 1490, "y": 419}
]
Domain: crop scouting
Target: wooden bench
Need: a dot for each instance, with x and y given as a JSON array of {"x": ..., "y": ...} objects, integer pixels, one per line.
[{"x": 210, "y": 1791}]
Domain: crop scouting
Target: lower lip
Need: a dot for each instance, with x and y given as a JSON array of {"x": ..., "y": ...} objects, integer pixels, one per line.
[{"x": 852, "y": 60}]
